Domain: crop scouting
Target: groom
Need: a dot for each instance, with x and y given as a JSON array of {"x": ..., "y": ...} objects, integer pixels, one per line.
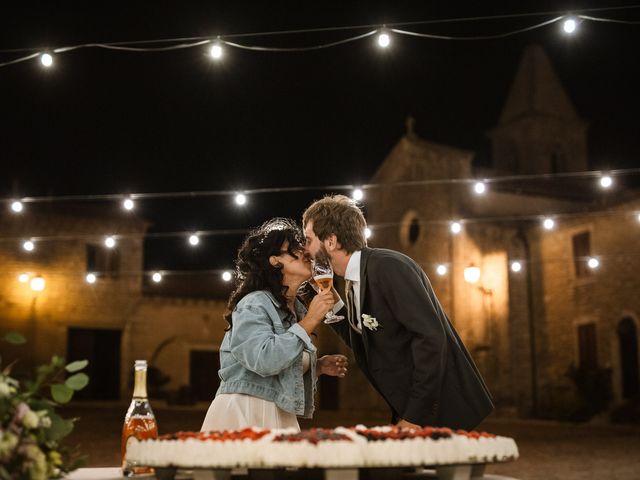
[{"x": 401, "y": 337}]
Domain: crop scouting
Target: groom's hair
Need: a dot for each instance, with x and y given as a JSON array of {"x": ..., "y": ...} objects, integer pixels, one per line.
[{"x": 339, "y": 215}]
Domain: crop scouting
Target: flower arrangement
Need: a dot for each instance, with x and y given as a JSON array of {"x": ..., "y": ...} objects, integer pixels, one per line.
[{"x": 30, "y": 429}]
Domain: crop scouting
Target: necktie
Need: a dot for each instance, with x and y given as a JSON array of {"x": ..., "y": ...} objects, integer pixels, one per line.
[{"x": 351, "y": 305}]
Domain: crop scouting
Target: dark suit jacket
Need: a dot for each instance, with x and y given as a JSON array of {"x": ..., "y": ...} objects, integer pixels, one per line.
[{"x": 415, "y": 359}]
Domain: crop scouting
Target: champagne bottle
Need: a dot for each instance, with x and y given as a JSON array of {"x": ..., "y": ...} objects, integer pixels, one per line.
[{"x": 139, "y": 422}]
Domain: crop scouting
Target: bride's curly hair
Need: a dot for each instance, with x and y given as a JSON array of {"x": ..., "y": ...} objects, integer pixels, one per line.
[{"x": 253, "y": 270}]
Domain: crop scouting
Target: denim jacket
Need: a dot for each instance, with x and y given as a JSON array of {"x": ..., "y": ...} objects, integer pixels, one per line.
[{"x": 261, "y": 355}]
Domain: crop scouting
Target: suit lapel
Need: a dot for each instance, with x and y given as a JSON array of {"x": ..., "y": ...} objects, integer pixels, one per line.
[{"x": 364, "y": 259}]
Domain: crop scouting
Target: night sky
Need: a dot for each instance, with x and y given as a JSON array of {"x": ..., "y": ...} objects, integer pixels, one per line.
[{"x": 116, "y": 122}]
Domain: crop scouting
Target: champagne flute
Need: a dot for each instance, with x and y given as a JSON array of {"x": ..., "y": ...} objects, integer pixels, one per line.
[{"x": 323, "y": 276}]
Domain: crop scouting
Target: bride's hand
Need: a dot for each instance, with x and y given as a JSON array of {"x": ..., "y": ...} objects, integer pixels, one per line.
[{"x": 333, "y": 365}]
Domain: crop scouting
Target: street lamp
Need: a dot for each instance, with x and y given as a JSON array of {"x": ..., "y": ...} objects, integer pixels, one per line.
[
  {"x": 472, "y": 274},
  {"x": 37, "y": 283}
]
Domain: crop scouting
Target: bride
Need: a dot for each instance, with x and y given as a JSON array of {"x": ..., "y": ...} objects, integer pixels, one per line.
[{"x": 268, "y": 364}]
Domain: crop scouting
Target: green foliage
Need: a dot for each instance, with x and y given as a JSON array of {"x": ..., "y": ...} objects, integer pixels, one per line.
[{"x": 30, "y": 428}]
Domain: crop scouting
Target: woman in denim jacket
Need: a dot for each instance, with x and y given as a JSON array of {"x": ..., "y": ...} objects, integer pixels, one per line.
[{"x": 268, "y": 365}]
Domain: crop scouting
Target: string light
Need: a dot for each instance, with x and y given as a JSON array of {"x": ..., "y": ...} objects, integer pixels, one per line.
[
  {"x": 384, "y": 40},
  {"x": 91, "y": 278},
  {"x": 46, "y": 60},
  {"x": 456, "y": 228},
  {"x": 241, "y": 199},
  {"x": 226, "y": 276},
  {"x": 37, "y": 283},
  {"x": 28, "y": 245},
  {"x": 17, "y": 206},
  {"x": 128, "y": 204},
  {"x": 516, "y": 266},
  {"x": 156, "y": 277},
  {"x": 367, "y": 233},
  {"x": 569, "y": 25},
  {"x": 441, "y": 270},
  {"x": 216, "y": 51},
  {"x": 479, "y": 188},
  {"x": 548, "y": 223},
  {"x": 357, "y": 194},
  {"x": 194, "y": 239},
  {"x": 593, "y": 263},
  {"x": 23, "y": 277},
  {"x": 110, "y": 242},
  {"x": 606, "y": 181}
]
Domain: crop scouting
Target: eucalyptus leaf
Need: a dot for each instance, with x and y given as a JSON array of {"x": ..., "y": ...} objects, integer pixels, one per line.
[
  {"x": 15, "y": 338},
  {"x": 59, "y": 429},
  {"x": 61, "y": 393},
  {"x": 77, "y": 381},
  {"x": 77, "y": 365}
]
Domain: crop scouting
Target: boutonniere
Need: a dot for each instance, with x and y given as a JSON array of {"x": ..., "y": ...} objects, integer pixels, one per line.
[{"x": 370, "y": 322}]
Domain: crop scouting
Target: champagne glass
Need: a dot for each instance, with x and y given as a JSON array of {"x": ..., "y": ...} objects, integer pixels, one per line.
[{"x": 323, "y": 276}]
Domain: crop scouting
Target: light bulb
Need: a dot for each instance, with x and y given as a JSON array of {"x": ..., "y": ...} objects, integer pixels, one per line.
[
  {"x": 357, "y": 195},
  {"x": 46, "y": 59},
  {"x": 548, "y": 223},
  {"x": 593, "y": 262},
  {"x": 109, "y": 242},
  {"x": 28, "y": 245},
  {"x": 516, "y": 266},
  {"x": 480, "y": 188},
  {"x": 91, "y": 278},
  {"x": 569, "y": 25},
  {"x": 472, "y": 274},
  {"x": 606, "y": 181},
  {"x": 241, "y": 199},
  {"x": 384, "y": 40},
  {"x": 441, "y": 270},
  {"x": 23, "y": 277},
  {"x": 128, "y": 204},
  {"x": 456, "y": 227},
  {"x": 194, "y": 239},
  {"x": 17, "y": 206},
  {"x": 367, "y": 233},
  {"x": 156, "y": 277},
  {"x": 216, "y": 51},
  {"x": 226, "y": 276}
]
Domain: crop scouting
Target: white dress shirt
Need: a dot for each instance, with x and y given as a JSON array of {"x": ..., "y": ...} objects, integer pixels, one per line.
[{"x": 352, "y": 273}]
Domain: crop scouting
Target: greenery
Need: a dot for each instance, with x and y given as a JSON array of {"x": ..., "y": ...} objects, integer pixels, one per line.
[{"x": 30, "y": 429}]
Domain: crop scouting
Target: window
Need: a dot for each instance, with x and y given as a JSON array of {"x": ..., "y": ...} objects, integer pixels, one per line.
[
  {"x": 581, "y": 253},
  {"x": 410, "y": 229},
  {"x": 588, "y": 347},
  {"x": 414, "y": 231},
  {"x": 103, "y": 260}
]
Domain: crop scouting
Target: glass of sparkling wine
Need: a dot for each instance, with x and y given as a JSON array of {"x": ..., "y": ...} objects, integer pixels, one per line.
[{"x": 323, "y": 276}]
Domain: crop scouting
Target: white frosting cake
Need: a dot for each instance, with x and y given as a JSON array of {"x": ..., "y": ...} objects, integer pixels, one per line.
[{"x": 322, "y": 448}]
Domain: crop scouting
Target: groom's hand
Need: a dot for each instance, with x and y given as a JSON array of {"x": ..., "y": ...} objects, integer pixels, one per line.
[
  {"x": 404, "y": 424},
  {"x": 333, "y": 365}
]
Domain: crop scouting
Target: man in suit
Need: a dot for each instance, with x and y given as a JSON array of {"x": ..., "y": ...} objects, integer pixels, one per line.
[{"x": 401, "y": 337}]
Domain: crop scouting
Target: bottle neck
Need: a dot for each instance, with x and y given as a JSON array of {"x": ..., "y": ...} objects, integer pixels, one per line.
[{"x": 140, "y": 386}]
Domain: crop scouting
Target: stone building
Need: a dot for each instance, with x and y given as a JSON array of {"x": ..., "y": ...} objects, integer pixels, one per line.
[
  {"x": 525, "y": 329},
  {"x": 119, "y": 318}
]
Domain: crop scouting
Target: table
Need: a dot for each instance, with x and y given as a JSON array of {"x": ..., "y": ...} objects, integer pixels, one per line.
[{"x": 458, "y": 472}]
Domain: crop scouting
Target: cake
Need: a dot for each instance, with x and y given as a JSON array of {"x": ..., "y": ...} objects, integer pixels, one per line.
[{"x": 359, "y": 446}]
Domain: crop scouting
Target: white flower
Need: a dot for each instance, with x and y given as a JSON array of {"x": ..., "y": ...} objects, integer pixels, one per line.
[
  {"x": 370, "y": 322},
  {"x": 45, "y": 421},
  {"x": 30, "y": 419},
  {"x": 8, "y": 442},
  {"x": 5, "y": 390}
]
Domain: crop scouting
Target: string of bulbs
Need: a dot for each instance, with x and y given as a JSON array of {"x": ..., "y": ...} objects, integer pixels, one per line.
[{"x": 216, "y": 45}]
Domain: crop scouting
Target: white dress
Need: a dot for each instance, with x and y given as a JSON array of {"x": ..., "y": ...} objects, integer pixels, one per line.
[{"x": 235, "y": 411}]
